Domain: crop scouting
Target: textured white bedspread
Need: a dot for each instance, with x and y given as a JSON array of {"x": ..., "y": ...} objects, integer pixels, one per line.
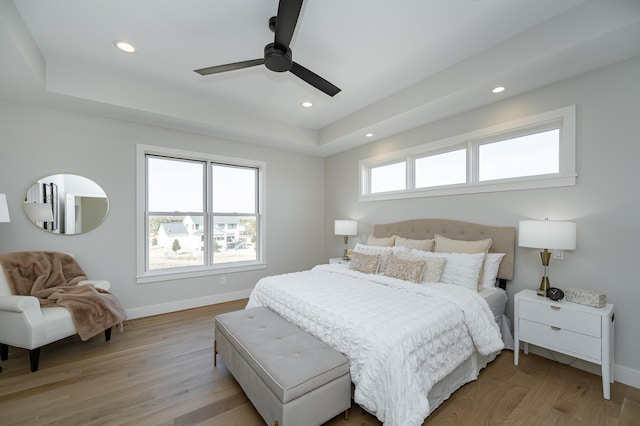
[{"x": 401, "y": 338}]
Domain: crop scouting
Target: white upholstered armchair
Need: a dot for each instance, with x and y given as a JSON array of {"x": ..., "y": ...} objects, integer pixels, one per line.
[{"x": 24, "y": 324}]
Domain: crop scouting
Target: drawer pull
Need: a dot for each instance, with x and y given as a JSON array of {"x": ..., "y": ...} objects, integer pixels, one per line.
[
  {"x": 555, "y": 308},
  {"x": 555, "y": 328}
]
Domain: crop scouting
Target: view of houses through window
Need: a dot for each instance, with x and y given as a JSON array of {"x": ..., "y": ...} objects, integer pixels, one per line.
[{"x": 200, "y": 213}]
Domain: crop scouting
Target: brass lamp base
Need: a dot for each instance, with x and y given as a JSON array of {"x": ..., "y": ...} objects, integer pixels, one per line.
[
  {"x": 544, "y": 286},
  {"x": 545, "y": 256},
  {"x": 345, "y": 256}
]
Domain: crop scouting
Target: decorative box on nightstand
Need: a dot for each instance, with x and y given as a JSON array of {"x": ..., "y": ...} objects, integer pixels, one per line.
[
  {"x": 339, "y": 260},
  {"x": 580, "y": 331}
]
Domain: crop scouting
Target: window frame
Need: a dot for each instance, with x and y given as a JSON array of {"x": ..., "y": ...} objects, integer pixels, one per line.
[
  {"x": 562, "y": 118},
  {"x": 146, "y": 276}
]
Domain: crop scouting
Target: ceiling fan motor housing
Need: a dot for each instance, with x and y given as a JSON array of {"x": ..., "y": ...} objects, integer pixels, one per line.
[{"x": 277, "y": 59}]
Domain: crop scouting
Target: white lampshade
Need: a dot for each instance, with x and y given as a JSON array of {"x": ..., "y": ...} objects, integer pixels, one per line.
[
  {"x": 346, "y": 227},
  {"x": 4, "y": 209},
  {"x": 547, "y": 234},
  {"x": 39, "y": 212}
]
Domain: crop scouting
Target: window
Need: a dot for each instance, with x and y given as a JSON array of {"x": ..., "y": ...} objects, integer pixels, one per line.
[
  {"x": 390, "y": 177},
  {"x": 537, "y": 153},
  {"x": 197, "y": 214},
  {"x": 534, "y": 152},
  {"x": 447, "y": 168}
]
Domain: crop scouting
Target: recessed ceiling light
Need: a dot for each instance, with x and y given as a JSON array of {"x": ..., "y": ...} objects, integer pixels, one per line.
[
  {"x": 306, "y": 104},
  {"x": 498, "y": 89},
  {"x": 124, "y": 46},
  {"x": 369, "y": 135}
]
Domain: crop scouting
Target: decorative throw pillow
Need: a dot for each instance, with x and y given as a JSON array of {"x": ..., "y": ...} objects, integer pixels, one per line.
[
  {"x": 405, "y": 269},
  {"x": 491, "y": 266},
  {"x": 382, "y": 241},
  {"x": 435, "y": 266},
  {"x": 461, "y": 269},
  {"x": 426, "y": 245},
  {"x": 384, "y": 253},
  {"x": 365, "y": 263}
]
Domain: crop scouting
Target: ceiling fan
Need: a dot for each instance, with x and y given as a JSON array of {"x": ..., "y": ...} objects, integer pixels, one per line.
[{"x": 277, "y": 55}]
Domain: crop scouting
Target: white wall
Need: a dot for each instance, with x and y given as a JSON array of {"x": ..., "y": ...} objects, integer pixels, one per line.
[
  {"x": 605, "y": 203},
  {"x": 36, "y": 141}
]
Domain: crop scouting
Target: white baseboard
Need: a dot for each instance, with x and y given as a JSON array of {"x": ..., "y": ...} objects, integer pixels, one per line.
[
  {"x": 621, "y": 374},
  {"x": 181, "y": 305},
  {"x": 626, "y": 375}
]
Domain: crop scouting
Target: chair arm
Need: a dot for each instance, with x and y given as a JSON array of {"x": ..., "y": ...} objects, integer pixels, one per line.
[
  {"x": 21, "y": 322},
  {"x": 20, "y": 304},
  {"x": 102, "y": 284}
]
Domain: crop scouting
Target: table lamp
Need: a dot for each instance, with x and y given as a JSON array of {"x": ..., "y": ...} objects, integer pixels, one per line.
[
  {"x": 547, "y": 234},
  {"x": 346, "y": 228}
]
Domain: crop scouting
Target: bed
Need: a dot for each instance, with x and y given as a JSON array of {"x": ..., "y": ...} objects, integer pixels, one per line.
[{"x": 409, "y": 346}]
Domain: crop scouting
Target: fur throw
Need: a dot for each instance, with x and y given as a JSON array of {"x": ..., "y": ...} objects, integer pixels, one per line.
[{"x": 53, "y": 278}]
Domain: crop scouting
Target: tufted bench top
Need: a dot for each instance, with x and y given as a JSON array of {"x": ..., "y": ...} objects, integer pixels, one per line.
[{"x": 289, "y": 361}]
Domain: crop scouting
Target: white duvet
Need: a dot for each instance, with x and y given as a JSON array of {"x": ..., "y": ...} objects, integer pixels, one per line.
[{"x": 400, "y": 338}]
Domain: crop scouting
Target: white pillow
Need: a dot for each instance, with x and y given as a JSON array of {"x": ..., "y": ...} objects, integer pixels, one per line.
[
  {"x": 384, "y": 253},
  {"x": 491, "y": 265},
  {"x": 461, "y": 269}
]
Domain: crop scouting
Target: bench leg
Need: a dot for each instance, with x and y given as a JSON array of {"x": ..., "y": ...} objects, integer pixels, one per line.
[
  {"x": 215, "y": 353},
  {"x": 107, "y": 334},
  {"x": 4, "y": 352},
  {"x": 346, "y": 414}
]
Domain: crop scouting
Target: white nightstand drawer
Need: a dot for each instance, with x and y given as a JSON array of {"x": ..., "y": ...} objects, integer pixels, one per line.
[
  {"x": 580, "y": 331},
  {"x": 564, "y": 340},
  {"x": 559, "y": 316}
]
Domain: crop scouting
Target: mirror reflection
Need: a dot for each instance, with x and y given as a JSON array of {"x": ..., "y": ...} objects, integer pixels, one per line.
[{"x": 66, "y": 204}]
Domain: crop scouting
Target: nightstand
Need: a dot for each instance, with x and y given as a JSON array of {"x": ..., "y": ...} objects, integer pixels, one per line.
[
  {"x": 338, "y": 260},
  {"x": 569, "y": 328}
]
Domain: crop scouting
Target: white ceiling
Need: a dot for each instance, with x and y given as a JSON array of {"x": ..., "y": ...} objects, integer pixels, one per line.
[{"x": 400, "y": 64}]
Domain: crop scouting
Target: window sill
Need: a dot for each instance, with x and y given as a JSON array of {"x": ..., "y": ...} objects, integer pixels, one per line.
[
  {"x": 178, "y": 275},
  {"x": 515, "y": 184}
]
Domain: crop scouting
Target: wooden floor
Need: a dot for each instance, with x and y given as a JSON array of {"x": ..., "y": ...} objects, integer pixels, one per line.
[{"x": 160, "y": 372}]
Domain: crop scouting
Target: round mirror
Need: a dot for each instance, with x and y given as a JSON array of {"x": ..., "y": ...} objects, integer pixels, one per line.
[{"x": 66, "y": 204}]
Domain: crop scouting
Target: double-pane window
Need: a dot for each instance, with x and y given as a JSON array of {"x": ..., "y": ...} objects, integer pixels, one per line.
[{"x": 200, "y": 214}]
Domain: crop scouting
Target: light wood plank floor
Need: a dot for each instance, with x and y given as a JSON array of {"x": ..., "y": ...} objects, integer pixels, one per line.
[{"x": 160, "y": 372}]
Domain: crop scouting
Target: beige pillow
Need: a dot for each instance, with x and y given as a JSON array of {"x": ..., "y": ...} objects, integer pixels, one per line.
[
  {"x": 424, "y": 245},
  {"x": 447, "y": 245},
  {"x": 383, "y": 241},
  {"x": 365, "y": 263},
  {"x": 435, "y": 266},
  {"x": 405, "y": 269}
]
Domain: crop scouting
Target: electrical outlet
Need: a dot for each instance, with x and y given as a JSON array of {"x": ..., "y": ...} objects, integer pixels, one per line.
[
  {"x": 558, "y": 254},
  {"x": 223, "y": 280}
]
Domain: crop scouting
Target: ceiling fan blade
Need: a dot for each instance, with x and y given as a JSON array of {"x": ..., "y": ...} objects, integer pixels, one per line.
[
  {"x": 230, "y": 67},
  {"x": 314, "y": 79},
  {"x": 288, "y": 12}
]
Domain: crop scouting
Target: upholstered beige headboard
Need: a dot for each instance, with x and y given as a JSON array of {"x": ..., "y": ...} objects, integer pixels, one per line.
[{"x": 503, "y": 237}]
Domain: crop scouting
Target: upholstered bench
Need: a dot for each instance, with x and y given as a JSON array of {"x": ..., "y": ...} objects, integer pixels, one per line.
[{"x": 290, "y": 377}]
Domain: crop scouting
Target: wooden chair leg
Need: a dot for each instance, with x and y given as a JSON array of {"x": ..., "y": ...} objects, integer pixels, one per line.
[
  {"x": 34, "y": 358},
  {"x": 4, "y": 352},
  {"x": 107, "y": 334}
]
